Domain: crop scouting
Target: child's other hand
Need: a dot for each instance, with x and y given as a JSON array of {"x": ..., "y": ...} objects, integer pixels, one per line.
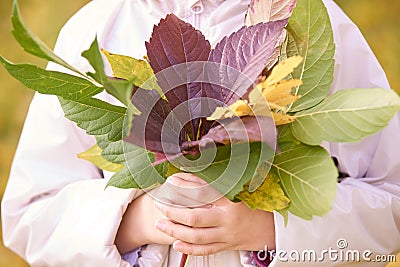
[
  {"x": 204, "y": 222},
  {"x": 137, "y": 227}
]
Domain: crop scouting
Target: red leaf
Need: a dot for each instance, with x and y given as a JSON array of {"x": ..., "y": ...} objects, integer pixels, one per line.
[
  {"x": 178, "y": 53},
  {"x": 173, "y": 44}
]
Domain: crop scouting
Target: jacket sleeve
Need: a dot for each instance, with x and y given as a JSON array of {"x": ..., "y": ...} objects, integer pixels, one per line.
[
  {"x": 366, "y": 212},
  {"x": 56, "y": 210}
]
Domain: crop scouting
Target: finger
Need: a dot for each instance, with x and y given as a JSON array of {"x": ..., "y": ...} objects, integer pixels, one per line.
[
  {"x": 162, "y": 238},
  {"x": 186, "y": 192},
  {"x": 169, "y": 193},
  {"x": 199, "y": 249},
  {"x": 194, "y": 188},
  {"x": 198, "y": 217},
  {"x": 169, "y": 196},
  {"x": 188, "y": 177},
  {"x": 188, "y": 234}
]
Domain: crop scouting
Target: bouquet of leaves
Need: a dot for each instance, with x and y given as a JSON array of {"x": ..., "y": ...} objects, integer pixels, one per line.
[{"x": 247, "y": 116}]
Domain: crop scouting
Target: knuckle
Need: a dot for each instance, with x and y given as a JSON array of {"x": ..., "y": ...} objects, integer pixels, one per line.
[
  {"x": 193, "y": 219},
  {"x": 197, "y": 238},
  {"x": 171, "y": 232},
  {"x": 190, "y": 251},
  {"x": 167, "y": 212},
  {"x": 207, "y": 251}
]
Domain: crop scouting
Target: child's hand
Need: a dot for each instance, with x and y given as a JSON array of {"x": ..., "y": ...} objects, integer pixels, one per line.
[
  {"x": 212, "y": 227},
  {"x": 137, "y": 227}
]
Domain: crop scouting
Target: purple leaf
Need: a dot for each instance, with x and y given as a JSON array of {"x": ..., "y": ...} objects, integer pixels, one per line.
[
  {"x": 268, "y": 10},
  {"x": 242, "y": 56},
  {"x": 239, "y": 130},
  {"x": 158, "y": 128},
  {"x": 173, "y": 44},
  {"x": 196, "y": 81},
  {"x": 148, "y": 127},
  {"x": 261, "y": 11}
]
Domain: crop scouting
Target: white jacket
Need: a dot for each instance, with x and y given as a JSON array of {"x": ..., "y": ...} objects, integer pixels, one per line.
[{"x": 55, "y": 211}]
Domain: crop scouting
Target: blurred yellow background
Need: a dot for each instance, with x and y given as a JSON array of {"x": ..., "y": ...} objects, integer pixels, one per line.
[
  {"x": 44, "y": 18},
  {"x": 378, "y": 20}
]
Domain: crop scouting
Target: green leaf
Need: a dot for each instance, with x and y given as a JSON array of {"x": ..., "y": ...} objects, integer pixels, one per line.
[
  {"x": 123, "y": 179},
  {"x": 162, "y": 169},
  {"x": 120, "y": 89},
  {"x": 138, "y": 171},
  {"x": 346, "y": 116},
  {"x": 309, "y": 178},
  {"x": 30, "y": 43},
  {"x": 269, "y": 196},
  {"x": 310, "y": 35},
  {"x": 96, "y": 61},
  {"x": 96, "y": 117},
  {"x": 93, "y": 154},
  {"x": 285, "y": 137},
  {"x": 137, "y": 71},
  {"x": 228, "y": 168},
  {"x": 51, "y": 82},
  {"x": 112, "y": 151},
  {"x": 285, "y": 215}
]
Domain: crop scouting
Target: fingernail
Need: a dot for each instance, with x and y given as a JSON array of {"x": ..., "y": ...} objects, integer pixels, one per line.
[
  {"x": 173, "y": 179},
  {"x": 177, "y": 246},
  {"x": 160, "y": 225}
]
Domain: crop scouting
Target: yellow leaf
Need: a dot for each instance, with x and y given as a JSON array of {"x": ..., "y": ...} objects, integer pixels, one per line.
[
  {"x": 283, "y": 69},
  {"x": 272, "y": 93},
  {"x": 269, "y": 196},
  {"x": 258, "y": 103},
  {"x": 220, "y": 113},
  {"x": 276, "y": 91},
  {"x": 93, "y": 155},
  {"x": 281, "y": 119},
  {"x": 172, "y": 170},
  {"x": 285, "y": 101},
  {"x": 138, "y": 71},
  {"x": 281, "y": 93},
  {"x": 129, "y": 68},
  {"x": 238, "y": 109},
  {"x": 241, "y": 108}
]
